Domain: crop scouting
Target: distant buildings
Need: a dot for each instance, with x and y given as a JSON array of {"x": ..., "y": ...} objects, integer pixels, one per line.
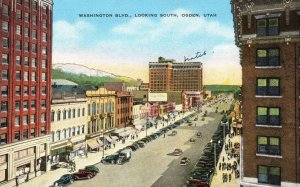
[
  {"x": 168, "y": 75},
  {"x": 26, "y": 53},
  {"x": 267, "y": 33}
]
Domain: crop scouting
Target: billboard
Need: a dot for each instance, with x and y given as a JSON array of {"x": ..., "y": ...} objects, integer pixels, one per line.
[{"x": 157, "y": 97}]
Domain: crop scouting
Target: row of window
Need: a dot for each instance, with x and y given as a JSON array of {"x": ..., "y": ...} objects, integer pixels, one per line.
[
  {"x": 268, "y": 145},
  {"x": 4, "y": 90},
  {"x": 5, "y": 40},
  {"x": 70, "y": 113},
  {"x": 4, "y": 105},
  {"x": 5, "y": 76},
  {"x": 17, "y": 136},
  {"x": 269, "y": 175},
  {"x": 26, "y": 47},
  {"x": 27, "y": 119},
  {"x": 101, "y": 108},
  {"x": 5, "y": 60},
  {"x": 66, "y": 133},
  {"x": 5, "y": 28},
  {"x": 34, "y": 6}
]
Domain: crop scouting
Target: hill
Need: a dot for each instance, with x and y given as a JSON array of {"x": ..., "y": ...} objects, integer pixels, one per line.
[{"x": 216, "y": 89}]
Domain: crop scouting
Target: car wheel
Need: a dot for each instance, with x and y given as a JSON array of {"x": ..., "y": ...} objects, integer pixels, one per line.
[
  {"x": 113, "y": 162},
  {"x": 55, "y": 184},
  {"x": 88, "y": 176},
  {"x": 71, "y": 181}
]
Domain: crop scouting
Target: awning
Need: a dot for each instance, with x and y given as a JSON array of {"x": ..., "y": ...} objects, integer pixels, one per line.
[
  {"x": 93, "y": 144},
  {"x": 166, "y": 117},
  {"x": 78, "y": 146},
  {"x": 152, "y": 121},
  {"x": 108, "y": 139},
  {"x": 100, "y": 142},
  {"x": 139, "y": 127},
  {"x": 114, "y": 138}
]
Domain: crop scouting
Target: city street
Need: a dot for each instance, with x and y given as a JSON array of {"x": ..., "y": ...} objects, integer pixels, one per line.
[{"x": 151, "y": 166}]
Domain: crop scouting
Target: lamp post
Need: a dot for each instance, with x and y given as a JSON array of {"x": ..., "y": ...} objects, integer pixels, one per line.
[{"x": 103, "y": 143}]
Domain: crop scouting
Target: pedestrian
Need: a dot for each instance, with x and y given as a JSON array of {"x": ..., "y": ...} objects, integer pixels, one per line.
[
  {"x": 223, "y": 159},
  {"x": 114, "y": 145},
  {"x": 164, "y": 135},
  {"x": 74, "y": 166},
  {"x": 219, "y": 166},
  {"x": 86, "y": 154},
  {"x": 229, "y": 177}
]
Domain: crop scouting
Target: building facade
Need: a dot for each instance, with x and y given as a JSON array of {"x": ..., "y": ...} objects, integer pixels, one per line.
[
  {"x": 168, "y": 75},
  {"x": 101, "y": 108},
  {"x": 68, "y": 127},
  {"x": 267, "y": 33},
  {"x": 124, "y": 109},
  {"x": 26, "y": 50},
  {"x": 190, "y": 100}
]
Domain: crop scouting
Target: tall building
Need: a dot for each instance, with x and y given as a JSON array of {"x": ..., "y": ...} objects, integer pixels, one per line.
[
  {"x": 25, "y": 47},
  {"x": 124, "y": 109},
  {"x": 267, "y": 33},
  {"x": 168, "y": 75}
]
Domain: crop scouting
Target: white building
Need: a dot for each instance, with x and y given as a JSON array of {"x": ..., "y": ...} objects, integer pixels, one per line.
[{"x": 68, "y": 127}]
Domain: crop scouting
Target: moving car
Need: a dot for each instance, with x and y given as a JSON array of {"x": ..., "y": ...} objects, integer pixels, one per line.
[
  {"x": 83, "y": 174},
  {"x": 184, "y": 161},
  {"x": 92, "y": 169},
  {"x": 199, "y": 134},
  {"x": 192, "y": 140},
  {"x": 64, "y": 180},
  {"x": 111, "y": 159},
  {"x": 173, "y": 133},
  {"x": 176, "y": 152}
]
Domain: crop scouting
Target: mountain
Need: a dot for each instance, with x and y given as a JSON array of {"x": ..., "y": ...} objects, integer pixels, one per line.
[
  {"x": 84, "y": 75},
  {"x": 81, "y": 69}
]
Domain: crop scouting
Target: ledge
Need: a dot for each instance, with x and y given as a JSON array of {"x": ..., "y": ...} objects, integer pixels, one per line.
[
  {"x": 271, "y": 156},
  {"x": 268, "y": 67},
  {"x": 269, "y": 96},
  {"x": 269, "y": 126}
]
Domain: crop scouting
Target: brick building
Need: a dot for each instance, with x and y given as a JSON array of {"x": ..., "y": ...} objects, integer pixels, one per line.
[
  {"x": 124, "y": 109},
  {"x": 168, "y": 75},
  {"x": 267, "y": 33},
  {"x": 26, "y": 50}
]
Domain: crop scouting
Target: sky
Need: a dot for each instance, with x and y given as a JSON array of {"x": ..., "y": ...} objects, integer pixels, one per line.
[{"x": 125, "y": 45}]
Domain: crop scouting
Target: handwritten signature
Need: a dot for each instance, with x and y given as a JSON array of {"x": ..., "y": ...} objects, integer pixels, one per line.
[{"x": 198, "y": 55}]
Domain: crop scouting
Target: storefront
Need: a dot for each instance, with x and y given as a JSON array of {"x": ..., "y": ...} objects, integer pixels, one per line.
[
  {"x": 78, "y": 146},
  {"x": 60, "y": 153}
]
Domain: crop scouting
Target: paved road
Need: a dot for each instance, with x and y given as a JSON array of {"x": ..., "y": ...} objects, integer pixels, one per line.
[{"x": 151, "y": 166}]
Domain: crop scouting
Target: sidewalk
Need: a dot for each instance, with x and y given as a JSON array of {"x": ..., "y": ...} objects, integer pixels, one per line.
[
  {"x": 48, "y": 178},
  {"x": 218, "y": 178}
]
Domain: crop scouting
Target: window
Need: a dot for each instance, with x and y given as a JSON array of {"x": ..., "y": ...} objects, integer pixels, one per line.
[
  {"x": 27, "y": 3},
  {"x": 83, "y": 111},
  {"x": 25, "y": 105},
  {"x": 4, "y": 90},
  {"x": 26, "y": 76},
  {"x": 25, "y": 120},
  {"x": 82, "y": 129},
  {"x": 64, "y": 114},
  {"x": 26, "y": 32},
  {"x": 26, "y": 61},
  {"x": 44, "y": 50},
  {"x": 64, "y": 132},
  {"x": 27, "y": 17},
  {"x": 18, "y": 45},
  {"x": 4, "y": 26},
  {"x": 268, "y": 86},
  {"x": 19, "y": 14},
  {"x": 52, "y": 136},
  {"x": 74, "y": 113},
  {"x": 93, "y": 108},
  {"x": 43, "y": 104},
  {"x": 18, "y": 60},
  {"x": 34, "y": 20},
  {"x": 45, "y": 10},
  {"x": 3, "y": 122},
  {"x": 33, "y": 77},
  {"x": 69, "y": 114},
  {"x": 44, "y": 77},
  {"x": 33, "y": 90},
  {"x": 4, "y": 74},
  {"x": 268, "y": 145},
  {"x": 89, "y": 109},
  {"x": 4, "y": 106},
  {"x": 44, "y": 23},
  {"x": 5, "y": 10},
  {"x": 18, "y": 90},
  {"x": 18, "y": 75},
  {"x": 52, "y": 116},
  {"x": 78, "y": 130},
  {"x": 78, "y": 112},
  {"x": 268, "y": 57},
  {"x": 32, "y": 118},
  {"x": 32, "y": 104},
  {"x": 58, "y": 115},
  {"x": 43, "y": 117},
  {"x": 34, "y": 5},
  {"x": 17, "y": 137},
  {"x": 26, "y": 47},
  {"x": 3, "y": 139},
  {"x": 57, "y": 135},
  {"x": 43, "y": 131},
  {"x": 17, "y": 120},
  {"x": 32, "y": 133},
  {"x": 44, "y": 37},
  {"x": 269, "y": 175},
  {"x": 267, "y": 27},
  {"x": 268, "y": 116},
  {"x": 25, "y": 90},
  {"x": 73, "y": 131},
  {"x": 44, "y": 90},
  {"x": 5, "y": 43},
  {"x": 33, "y": 62},
  {"x": 5, "y": 59},
  {"x": 19, "y": 1},
  {"x": 18, "y": 30},
  {"x": 44, "y": 64},
  {"x": 25, "y": 135},
  {"x": 17, "y": 105},
  {"x": 33, "y": 48}
]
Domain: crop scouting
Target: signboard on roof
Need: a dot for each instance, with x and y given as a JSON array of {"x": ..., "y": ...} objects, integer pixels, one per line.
[{"x": 157, "y": 97}]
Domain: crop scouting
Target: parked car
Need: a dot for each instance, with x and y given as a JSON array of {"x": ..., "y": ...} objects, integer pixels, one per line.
[
  {"x": 64, "y": 180},
  {"x": 92, "y": 169},
  {"x": 199, "y": 134},
  {"x": 192, "y": 140},
  {"x": 184, "y": 161},
  {"x": 131, "y": 147},
  {"x": 111, "y": 159},
  {"x": 176, "y": 152},
  {"x": 124, "y": 156},
  {"x": 196, "y": 183},
  {"x": 83, "y": 174},
  {"x": 173, "y": 133}
]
